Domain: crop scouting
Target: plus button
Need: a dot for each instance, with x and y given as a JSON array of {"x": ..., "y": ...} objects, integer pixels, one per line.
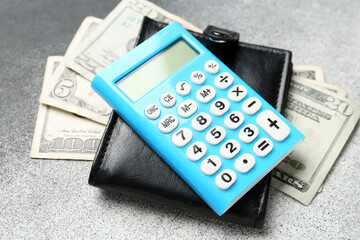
[{"x": 273, "y": 123}]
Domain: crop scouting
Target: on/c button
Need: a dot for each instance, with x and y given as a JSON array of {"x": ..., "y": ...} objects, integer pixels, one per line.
[{"x": 152, "y": 111}]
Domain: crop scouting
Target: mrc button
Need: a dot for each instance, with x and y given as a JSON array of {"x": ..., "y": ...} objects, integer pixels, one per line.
[
  {"x": 168, "y": 123},
  {"x": 152, "y": 111}
]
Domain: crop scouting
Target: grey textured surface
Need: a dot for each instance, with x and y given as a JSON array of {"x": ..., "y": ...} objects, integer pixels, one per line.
[{"x": 47, "y": 199}]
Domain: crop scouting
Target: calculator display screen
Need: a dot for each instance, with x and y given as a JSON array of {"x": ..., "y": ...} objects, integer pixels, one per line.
[{"x": 156, "y": 69}]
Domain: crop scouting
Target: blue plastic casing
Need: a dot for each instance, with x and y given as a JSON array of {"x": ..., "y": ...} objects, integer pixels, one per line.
[{"x": 133, "y": 114}]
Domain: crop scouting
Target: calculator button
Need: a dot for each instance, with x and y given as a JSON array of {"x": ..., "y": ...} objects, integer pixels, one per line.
[
  {"x": 187, "y": 108},
  {"x": 230, "y": 148},
  {"x": 273, "y": 125},
  {"x": 244, "y": 163},
  {"x": 237, "y": 93},
  {"x": 263, "y": 147},
  {"x": 248, "y": 133},
  {"x": 215, "y": 135},
  {"x": 168, "y": 100},
  {"x": 225, "y": 179},
  {"x": 219, "y": 107},
  {"x": 197, "y": 77},
  {"x": 212, "y": 67},
  {"x": 223, "y": 80},
  {"x": 168, "y": 123},
  {"x": 183, "y": 88},
  {"x": 182, "y": 137},
  {"x": 251, "y": 106},
  {"x": 210, "y": 165},
  {"x": 205, "y": 94},
  {"x": 201, "y": 121},
  {"x": 152, "y": 111},
  {"x": 234, "y": 119},
  {"x": 196, "y": 151}
]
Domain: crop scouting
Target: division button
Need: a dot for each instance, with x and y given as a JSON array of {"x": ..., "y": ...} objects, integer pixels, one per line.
[
  {"x": 215, "y": 135},
  {"x": 251, "y": 106},
  {"x": 183, "y": 88},
  {"x": 205, "y": 94},
  {"x": 223, "y": 80},
  {"x": 187, "y": 108},
  {"x": 197, "y": 77},
  {"x": 237, "y": 93},
  {"x": 244, "y": 163},
  {"x": 225, "y": 179},
  {"x": 248, "y": 133},
  {"x": 152, "y": 111},
  {"x": 230, "y": 149},
  {"x": 233, "y": 120},
  {"x": 168, "y": 123},
  {"x": 273, "y": 125},
  {"x": 219, "y": 107},
  {"x": 263, "y": 147},
  {"x": 201, "y": 121},
  {"x": 182, "y": 137},
  {"x": 168, "y": 100},
  {"x": 212, "y": 67},
  {"x": 210, "y": 165},
  {"x": 196, "y": 151}
]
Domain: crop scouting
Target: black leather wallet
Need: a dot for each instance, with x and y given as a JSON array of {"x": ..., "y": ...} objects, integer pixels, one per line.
[{"x": 125, "y": 163}]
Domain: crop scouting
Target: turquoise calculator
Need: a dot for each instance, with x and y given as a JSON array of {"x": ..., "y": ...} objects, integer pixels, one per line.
[{"x": 209, "y": 126}]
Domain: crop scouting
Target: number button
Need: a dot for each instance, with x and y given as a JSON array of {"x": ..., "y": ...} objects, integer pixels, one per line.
[
  {"x": 187, "y": 108},
  {"x": 230, "y": 148},
  {"x": 219, "y": 107},
  {"x": 183, "y": 88},
  {"x": 225, "y": 179},
  {"x": 197, "y": 77},
  {"x": 215, "y": 135},
  {"x": 168, "y": 123},
  {"x": 251, "y": 106},
  {"x": 273, "y": 125},
  {"x": 237, "y": 93},
  {"x": 234, "y": 120},
  {"x": 201, "y": 122},
  {"x": 223, "y": 80},
  {"x": 152, "y": 111},
  {"x": 248, "y": 133},
  {"x": 205, "y": 94},
  {"x": 244, "y": 163},
  {"x": 263, "y": 147},
  {"x": 182, "y": 137},
  {"x": 168, "y": 100},
  {"x": 196, "y": 151},
  {"x": 210, "y": 165},
  {"x": 212, "y": 67}
]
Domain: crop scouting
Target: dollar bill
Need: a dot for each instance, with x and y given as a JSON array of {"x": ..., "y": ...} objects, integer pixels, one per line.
[
  {"x": 69, "y": 91},
  {"x": 116, "y": 36},
  {"x": 63, "y": 135},
  {"x": 327, "y": 120},
  {"x": 310, "y": 72},
  {"x": 330, "y": 87}
]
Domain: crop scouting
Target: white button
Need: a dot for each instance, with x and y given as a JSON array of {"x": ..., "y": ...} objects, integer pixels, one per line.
[
  {"x": 225, "y": 179},
  {"x": 263, "y": 147},
  {"x": 182, "y": 137},
  {"x": 152, "y": 111},
  {"x": 197, "y": 77},
  {"x": 183, "y": 88},
  {"x": 273, "y": 125},
  {"x": 210, "y": 165},
  {"x": 251, "y": 106},
  {"x": 187, "y": 108},
  {"x": 244, "y": 163},
  {"x": 168, "y": 100},
  {"x": 237, "y": 93},
  {"x": 223, "y": 80},
  {"x": 248, "y": 133},
  {"x": 215, "y": 135},
  {"x": 168, "y": 123},
  {"x": 201, "y": 121},
  {"x": 212, "y": 67},
  {"x": 205, "y": 94},
  {"x": 230, "y": 148},
  {"x": 219, "y": 107},
  {"x": 196, "y": 151},
  {"x": 234, "y": 119}
]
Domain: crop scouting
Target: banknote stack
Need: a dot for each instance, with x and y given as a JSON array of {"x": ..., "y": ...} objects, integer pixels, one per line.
[{"x": 72, "y": 117}]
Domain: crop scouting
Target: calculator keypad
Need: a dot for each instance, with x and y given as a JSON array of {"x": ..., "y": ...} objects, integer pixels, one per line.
[
  {"x": 237, "y": 93},
  {"x": 182, "y": 137},
  {"x": 168, "y": 123},
  {"x": 225, "y": 179},
  {"x": 201, "y": 121},
  {"x": 248, "y": 133},
  {"x": 212, "y": 67},
  {"x": 168, "y": 100},
  {"x": 197, "y": 77},
  {"x": 273, "y": 125},
  {"x": 152, "y": 111},
  {"x": 215, "y": 135},
  {"x": 205, "y": 94},
  {"x": 196, "y": 151},
  {"x": 223, "y": 80},
  {"x": 219, "y": 107},
  {"x": 251, "y": 106},
  {"x": 210, "y": 165},
  {"x": 230, "y": 149},
  {"x": 233, "y": 120},
  {"x": 187, "y": 108},
  {"x": 183, "y": 88},
  {"x": 263, "y": 147},
  {"x": 244, "y": 163}
]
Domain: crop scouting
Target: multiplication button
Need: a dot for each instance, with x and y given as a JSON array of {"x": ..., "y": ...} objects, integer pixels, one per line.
[
  {"x": 187, "y": 108},
  {"x": 251, "y": 106},
  {"x": 237, "y": 93},
  {"x": 273, "y": 125},
  {"x": 183, "y": 88},
  {"x": 212, "y": 67},
  {"x": 197, "y": 77},
  {"x": 168, "y": 100},
  {"x": 205, "y": 94},
  {"x": 152, "y": 111},
  {"x": 223, "y": 80},
  {"x": 168, "y": 123},
  {"x": 225, "y": 179},
  {"x": 210, "y": 165}
]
